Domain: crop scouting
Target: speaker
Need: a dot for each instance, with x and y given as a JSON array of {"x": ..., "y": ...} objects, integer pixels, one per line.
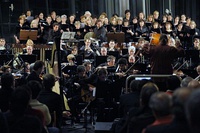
[{"x": 103, "y": 127}]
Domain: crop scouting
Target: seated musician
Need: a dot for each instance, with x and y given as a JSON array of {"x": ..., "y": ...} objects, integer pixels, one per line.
[
  {"x": 71, "y": 62},
  {"x": 2, "y": 43},
  {"x": 103, "y": 51},
  {"x": 88, "y": 68},
  {"x": 111, "y": 46},
  {"x": 74, "y": 91},
  {"x": 88, "y": 51},
  {"x": 29, "y": 43},
  {"x": 104, "y": 92},
  {"x": 110, "y": 62},
  {"x": 38, "y": 69},
  {"x": 131, "y": 51},
  {"x": 6, "y": 69}
]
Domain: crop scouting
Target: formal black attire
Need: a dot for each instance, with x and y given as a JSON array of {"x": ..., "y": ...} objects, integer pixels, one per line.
[
  {"x": 34, "y": 76},
  {"x": 103, "y": 98}
]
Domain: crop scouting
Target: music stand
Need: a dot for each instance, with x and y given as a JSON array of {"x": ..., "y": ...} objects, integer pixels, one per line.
[
  {"x": 114, "y": 53},
  {"x": 68, "y": 35},
  {"x": 100, "y": 59},
  {"x": 28, "y": 34},
  {"x": 28, "y": 58},
  {"x": 4, "y": 59},
  {"x": 79, "y": 60},
  {"x": 118, "y": 37},
  {"x": 71, "y": 70},
  {"x": 5, "y": 52}
]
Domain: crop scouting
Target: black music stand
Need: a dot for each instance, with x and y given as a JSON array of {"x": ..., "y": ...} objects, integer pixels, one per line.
[
  {"x": 71, "y": 70},
  {"x": 28, "y": 58},
  {"x": 28, "y": 34},
  {"x": 114, "y": 53},
  {"x": 5, "y": 52},
  {"x": 118, "y": 37},
  {"x": 192, "y": 56},
  {"x": 79, "y": 60},
  {"x": 6, "y": 59},
  {"x": 100, "y": 60}
]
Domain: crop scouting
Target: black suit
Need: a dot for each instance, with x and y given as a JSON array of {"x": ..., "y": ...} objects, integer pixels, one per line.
[{"x": 34, "y": 76}]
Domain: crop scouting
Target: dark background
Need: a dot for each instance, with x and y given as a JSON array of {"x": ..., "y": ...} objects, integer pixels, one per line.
[{"x": 8, "y": 18}]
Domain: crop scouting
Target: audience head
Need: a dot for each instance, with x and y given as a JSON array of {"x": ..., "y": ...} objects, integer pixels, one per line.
[
  {"x": 134, "y": 85},
  {"x": 173, "y": 82},
  {"x": 192, "y": 111},
  {"x": 161, "y": 104},
  {"x": 35, "y": 88},
  {"x": 81, "y": 70},
  {"x": 19, "y": 101},
  {"x": 147, "y": 90},
  {"x": 7, "y": 80},
  {"x": 194, "y": 84},
  {"x": 48, "y": 81},
  {"x": 185, "y": 81},
  {"x": 38, "y": 66},
  {"x": 179, "y": 98}
]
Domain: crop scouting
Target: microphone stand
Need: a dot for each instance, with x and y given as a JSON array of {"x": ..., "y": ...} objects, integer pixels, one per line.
[{"x": 85, "y": 115}]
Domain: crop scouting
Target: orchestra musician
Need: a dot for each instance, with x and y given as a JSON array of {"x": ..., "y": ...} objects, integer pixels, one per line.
[
  {"x": 2, "y": 43},
  {"x": 112, "y": 46},
  {"x": 38, "y": 69},
  {"x": 103, "y": 51},
  {"x": 88, "y": 51}
]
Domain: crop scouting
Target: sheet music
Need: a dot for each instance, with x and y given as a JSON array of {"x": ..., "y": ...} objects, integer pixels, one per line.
[{"x": 94, "y": 92}]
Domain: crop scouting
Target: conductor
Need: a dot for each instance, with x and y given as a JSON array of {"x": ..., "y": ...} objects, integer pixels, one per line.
[{"x": 162, "y": 55}]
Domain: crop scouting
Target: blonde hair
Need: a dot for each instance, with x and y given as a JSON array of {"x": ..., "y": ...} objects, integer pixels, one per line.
[{"x": 29, "y": 43}]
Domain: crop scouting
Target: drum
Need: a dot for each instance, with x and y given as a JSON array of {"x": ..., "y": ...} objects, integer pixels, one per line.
[{"x": 155, "y": 39}]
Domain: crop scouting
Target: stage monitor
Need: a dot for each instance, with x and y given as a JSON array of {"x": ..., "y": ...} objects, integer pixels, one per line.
[
  {"x": 28, "y": 34},
  {"x": 6, "y": 59},
  {"x": 68, "y": 35},
  {"x": 118, "y": 37},
  {"x": 28, "y": 58}
]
